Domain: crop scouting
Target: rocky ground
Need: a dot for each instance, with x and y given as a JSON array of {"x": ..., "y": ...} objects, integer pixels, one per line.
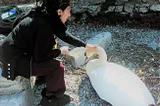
[{"x": 135, "y": 48}]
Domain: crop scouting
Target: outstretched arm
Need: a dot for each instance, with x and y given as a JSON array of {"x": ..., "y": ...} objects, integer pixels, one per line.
[{"x": 70, "y": 39}]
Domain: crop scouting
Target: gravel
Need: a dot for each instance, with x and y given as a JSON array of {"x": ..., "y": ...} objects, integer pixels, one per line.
[{"x": 78, "y": 84}]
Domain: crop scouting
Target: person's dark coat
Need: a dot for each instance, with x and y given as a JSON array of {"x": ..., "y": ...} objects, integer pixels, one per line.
[{"x": 33, "y": 38}]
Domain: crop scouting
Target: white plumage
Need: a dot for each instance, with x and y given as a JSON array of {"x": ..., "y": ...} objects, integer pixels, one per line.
[{"x": 116, "y": 84}]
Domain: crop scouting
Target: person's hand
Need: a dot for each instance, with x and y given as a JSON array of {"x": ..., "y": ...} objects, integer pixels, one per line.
[
  {"x": 91, "y": 47},
  {"x": 64, "y": 50}
]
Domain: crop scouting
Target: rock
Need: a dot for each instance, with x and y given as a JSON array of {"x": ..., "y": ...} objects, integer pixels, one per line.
[
  {"x": 155, "y": 7},
  {"x": 88, "y": 2},
  {"x": 15, "y": 93},
  {"x": 2, "y": 37},
  {"x": 153, "y": 45},
  {"x": 128, "y": 7},
  {"x": 131, "y": 66},
  {"x": 143, "y": 9},
  {"x": 103, "y": 39},
  {"x": 13, "y": 1},
  {"x": 79, "y": 9},
  {"x": 94, "y": 10},
  {"x": 144, "y": 1},
  {"x": 110, "y": 9},
  {"x": 77, "y": 57},
  {"x": 120, "y": 2},
  {"x": 119, "y": 9},
  {"x": 92, "y": 6},
  {"x": 26, "y": 7}
]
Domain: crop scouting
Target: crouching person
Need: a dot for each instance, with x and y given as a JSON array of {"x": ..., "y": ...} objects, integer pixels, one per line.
[{"x": 28, "y": 49}]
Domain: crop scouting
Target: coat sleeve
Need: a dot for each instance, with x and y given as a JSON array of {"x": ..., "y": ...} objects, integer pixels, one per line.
[
  {"x": 44, "y": 42},
  {"x": 70, "y": 39}
]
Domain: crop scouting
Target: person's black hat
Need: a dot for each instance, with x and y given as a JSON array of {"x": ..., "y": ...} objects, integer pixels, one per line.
[
  {"x": 64, "y": 4},
  {"x": 56, "y": 4}
]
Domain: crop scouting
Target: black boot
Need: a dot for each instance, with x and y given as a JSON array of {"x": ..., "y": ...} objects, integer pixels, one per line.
[{"x": 54, "y": 101}]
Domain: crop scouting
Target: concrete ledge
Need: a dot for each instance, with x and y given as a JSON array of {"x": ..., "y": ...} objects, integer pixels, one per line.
[
  {"x": 9, "y": 87},
  {"x": 15, "y": 93},
  {"x": 16, "y": 99}
]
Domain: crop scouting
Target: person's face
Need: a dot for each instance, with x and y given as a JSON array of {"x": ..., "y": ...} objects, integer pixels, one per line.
[{"x": 64, "y": 14}]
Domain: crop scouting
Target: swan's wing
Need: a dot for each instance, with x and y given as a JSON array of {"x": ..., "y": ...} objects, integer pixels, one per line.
[
  {"x": 129, "y": 83},
  {"x": 113, "y": 79}
]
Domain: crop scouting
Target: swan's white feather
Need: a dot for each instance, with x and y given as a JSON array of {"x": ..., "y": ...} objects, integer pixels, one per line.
[{"x": 116, "y": 84}]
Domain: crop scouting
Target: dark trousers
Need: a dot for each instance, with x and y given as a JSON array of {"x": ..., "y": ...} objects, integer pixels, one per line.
[{"x": 53, "y": 72}]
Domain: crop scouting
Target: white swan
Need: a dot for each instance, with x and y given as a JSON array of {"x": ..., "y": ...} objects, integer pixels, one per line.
[{"x": 116, "y": 84}]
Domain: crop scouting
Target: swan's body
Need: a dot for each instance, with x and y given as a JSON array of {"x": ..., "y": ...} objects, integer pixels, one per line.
[{"x": 117, "y": 84}]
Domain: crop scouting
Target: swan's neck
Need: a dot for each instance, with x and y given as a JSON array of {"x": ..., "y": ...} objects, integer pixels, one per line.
[
  {"x": 98, "y": 62},
  {"x": 102, "y": 54}
]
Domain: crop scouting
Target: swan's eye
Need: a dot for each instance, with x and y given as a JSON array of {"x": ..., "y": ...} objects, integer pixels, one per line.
[{"x": 85, "y": 54}]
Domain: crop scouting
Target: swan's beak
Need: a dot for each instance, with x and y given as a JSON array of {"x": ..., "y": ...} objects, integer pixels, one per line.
[
  {"x": 85, "y": 54},
  {"x": 88, "y": 54}
]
